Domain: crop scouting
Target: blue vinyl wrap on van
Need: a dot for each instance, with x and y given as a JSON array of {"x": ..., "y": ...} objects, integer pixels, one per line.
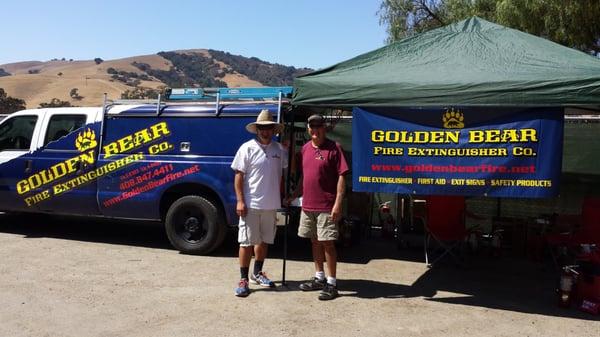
[{"x": 128, "y": 164}]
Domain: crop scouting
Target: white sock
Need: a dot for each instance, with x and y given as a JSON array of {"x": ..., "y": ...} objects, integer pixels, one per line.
[
  {"x": 320, "y": 275},
  {"x": 331, "y": 280}
]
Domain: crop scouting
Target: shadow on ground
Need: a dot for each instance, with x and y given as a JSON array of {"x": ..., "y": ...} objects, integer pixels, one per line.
[
  {"x": 118, "y": 232},
  {"x": 504, "y": 283}
]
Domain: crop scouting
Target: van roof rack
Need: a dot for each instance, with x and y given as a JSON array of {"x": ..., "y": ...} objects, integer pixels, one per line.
[
  {"x": 249, "y": 93},
  {"x": 217, "y": 96}
]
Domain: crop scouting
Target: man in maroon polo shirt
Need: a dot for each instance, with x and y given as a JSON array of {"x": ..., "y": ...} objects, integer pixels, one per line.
[{"x": 323, "y": 186}]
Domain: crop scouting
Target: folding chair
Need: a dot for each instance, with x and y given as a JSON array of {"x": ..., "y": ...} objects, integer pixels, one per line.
[
  {"x": 589, "y": 232},
  {"x": 445, "y": 223}
]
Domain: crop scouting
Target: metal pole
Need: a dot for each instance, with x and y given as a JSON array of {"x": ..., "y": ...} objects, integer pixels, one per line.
[
  {"x": 279, "y": 108},
  {"x": 287, "y": 192},
  {"x": 102, "y": 130},
  {"x": 104, "y": 100},
  {"x": 217, "y": 103},
  {"x": 158, "y": 105}
]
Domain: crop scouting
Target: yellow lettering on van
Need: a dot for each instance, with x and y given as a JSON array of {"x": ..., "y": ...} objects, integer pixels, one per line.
[{"x": 136, "y": 140}]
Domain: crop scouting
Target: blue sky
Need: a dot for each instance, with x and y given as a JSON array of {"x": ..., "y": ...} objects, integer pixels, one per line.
[{"x": 308, "y": 33}]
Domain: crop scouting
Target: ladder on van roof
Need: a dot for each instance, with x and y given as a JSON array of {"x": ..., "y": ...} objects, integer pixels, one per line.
[
  {"x": 256, "y": 93},
  {"x": 217, "y": 96}
]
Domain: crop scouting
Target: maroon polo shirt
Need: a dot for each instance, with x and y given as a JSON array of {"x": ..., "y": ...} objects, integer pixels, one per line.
[{"x": 321, "y": 168}]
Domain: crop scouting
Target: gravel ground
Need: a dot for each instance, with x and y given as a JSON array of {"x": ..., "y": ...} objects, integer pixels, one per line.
[{"x": 77, "y": 277}]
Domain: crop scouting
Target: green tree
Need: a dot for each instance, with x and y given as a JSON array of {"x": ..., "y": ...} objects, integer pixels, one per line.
[
  {"x": 74, "y": 93},
  {"x": 55, "y": 103},
  {"x": 9, "y": 104},
  {"x": 571, "y": 23},
  {"x": 141, "y": 93}
]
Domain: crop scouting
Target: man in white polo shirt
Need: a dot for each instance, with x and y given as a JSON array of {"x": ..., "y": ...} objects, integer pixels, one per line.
[{"x": 258, "y": 166}]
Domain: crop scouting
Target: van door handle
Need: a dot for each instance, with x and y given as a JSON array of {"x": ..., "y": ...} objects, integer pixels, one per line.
[{"x": 28, "y": 165}]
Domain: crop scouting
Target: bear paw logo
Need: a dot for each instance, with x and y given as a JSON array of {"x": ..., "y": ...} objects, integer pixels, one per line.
[
  {"x": 453, "y": 119},
  {"x": 86, "y": 140}
]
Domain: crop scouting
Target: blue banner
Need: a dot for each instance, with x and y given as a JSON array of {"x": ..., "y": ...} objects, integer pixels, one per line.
[{"x": 458, "y": 151}]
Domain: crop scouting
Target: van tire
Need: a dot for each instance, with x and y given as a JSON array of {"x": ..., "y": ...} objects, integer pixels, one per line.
[{"x": 194, "y": 225}]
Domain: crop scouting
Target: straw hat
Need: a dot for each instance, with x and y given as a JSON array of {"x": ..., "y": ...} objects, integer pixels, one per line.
[{"x": 264, "y": 118}]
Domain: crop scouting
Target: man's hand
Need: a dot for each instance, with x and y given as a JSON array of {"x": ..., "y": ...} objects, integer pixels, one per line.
[
  {"x": 336, "y": 213},
  {"x": 241, "y": 209},
  {"x": 287, "y": 201},
  {"x": 238, "y": 184}
]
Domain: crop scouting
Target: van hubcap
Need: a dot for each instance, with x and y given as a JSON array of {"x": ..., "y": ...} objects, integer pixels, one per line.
[{"x": 192, "y": 226}]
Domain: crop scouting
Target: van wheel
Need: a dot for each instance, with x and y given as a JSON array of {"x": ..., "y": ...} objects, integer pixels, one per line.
[{"x": 194, "y": 225}]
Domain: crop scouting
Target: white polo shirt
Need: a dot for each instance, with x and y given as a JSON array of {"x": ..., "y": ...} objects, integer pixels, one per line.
[{"x": 262, "y": 166}]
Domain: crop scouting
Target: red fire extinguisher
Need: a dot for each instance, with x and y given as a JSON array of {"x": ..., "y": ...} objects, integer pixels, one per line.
[
  {"x": 387, "y": 220},
  {"x": 568, "y": 277}
]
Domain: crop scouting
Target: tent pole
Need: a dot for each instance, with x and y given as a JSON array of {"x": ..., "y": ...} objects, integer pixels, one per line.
[{"x": 290, "y": 124}]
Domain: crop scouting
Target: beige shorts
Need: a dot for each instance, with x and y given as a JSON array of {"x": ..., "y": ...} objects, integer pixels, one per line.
[
  {"x": 256, "y": 227},
  {"x": 317, "y": 225}
]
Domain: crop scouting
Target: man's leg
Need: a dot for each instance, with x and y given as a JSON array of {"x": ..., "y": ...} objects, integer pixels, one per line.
[
  {"x": 248, "y": 228},
  {"x": 258, "y": 276},
  {"x": 260, "y": 252},
  {"x": 245, "y": 255},
  {"x": 307, "y": 229},
  {"x": 330, "y": 257},
  {"x": 327, "y": 234},
  {"x": 318, "y": 254},
  {"x": 246, "y": 240},
  {"x": 268, "y": 230}
]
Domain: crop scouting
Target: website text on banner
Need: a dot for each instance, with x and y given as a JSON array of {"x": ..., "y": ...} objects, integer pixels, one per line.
[{"x": 458, "y": 151}]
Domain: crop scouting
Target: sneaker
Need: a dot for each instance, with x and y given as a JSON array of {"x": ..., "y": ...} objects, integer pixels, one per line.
[
  {"x": 329, "y": 292},
  {"x": 262, "y": 280},
  {"x": 313, "y": 284},
  {"x": 242, "y": 289}
]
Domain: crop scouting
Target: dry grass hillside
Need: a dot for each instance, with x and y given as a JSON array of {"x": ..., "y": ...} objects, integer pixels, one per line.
[{"x": 56, "y": 78}]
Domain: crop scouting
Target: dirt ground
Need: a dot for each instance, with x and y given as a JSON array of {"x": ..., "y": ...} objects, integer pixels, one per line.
[{"x": 76, "y": 277}]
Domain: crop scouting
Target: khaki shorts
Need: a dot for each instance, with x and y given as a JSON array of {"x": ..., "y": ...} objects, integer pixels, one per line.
[
  {"x": 317, "y": 225},
  {"x": 256, "y": 227}
]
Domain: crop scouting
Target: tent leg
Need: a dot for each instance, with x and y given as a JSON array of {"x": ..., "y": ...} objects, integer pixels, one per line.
[
  {"x": 425, "y": 242},
  {"x": 288, "y": 176},
  {"x": 285, "y": 235}
]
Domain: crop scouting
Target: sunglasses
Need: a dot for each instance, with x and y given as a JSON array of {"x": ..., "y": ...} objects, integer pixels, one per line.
[
  {"x": 315, "y": 126},
  {"x": 265, "y": 127}
]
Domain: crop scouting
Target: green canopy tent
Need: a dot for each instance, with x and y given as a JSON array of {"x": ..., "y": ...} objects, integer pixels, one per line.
[{"x": 470, "y": 63}]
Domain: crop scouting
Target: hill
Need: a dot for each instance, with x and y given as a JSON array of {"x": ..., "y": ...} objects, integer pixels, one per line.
[{"x": 39, "y": 82}]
